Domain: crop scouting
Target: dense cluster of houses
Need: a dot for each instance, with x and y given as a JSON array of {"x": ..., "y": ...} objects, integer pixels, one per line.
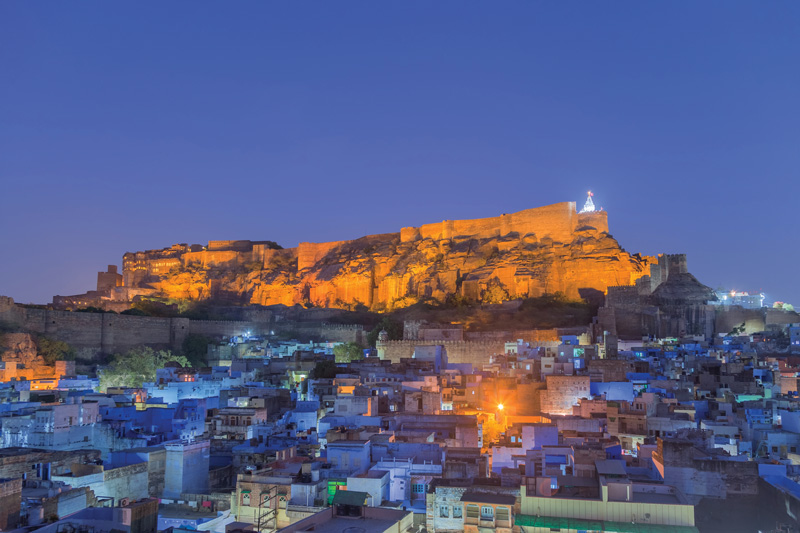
[{"x": 677, "y": 435}]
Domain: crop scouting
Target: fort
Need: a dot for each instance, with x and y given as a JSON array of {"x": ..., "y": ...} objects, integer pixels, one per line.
[{"x": 544, "y": 250}]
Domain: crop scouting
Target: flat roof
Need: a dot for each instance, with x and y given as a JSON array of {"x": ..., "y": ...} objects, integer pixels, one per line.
[
  {"x": 365, "y": 525},
  {"x": 610, "y": 467},
  {"x": 557, "y": 522},
  {"x": 350, "y": 497}
]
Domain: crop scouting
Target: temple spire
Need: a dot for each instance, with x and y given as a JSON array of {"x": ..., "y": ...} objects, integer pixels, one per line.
[{"x": 588, "y": 207}]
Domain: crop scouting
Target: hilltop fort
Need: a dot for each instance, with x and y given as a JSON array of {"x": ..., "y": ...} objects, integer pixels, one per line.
[{"x": 545, "y": 250}]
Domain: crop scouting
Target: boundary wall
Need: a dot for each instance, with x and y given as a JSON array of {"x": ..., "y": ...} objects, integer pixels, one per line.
[{"x": 112, "y": 333}]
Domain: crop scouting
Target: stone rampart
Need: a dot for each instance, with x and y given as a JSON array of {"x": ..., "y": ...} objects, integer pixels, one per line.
[
  {"x": 597, "y": 220},
  {"x": 476, "y": 353},
  {"x": 528, "y": 335},
  {"x": 112, "y": 333},
  {"x": 557, "y": 221},
  {"x": 309, "y": 253},
  {"x": 331, "y": 333},
  {"x": 211, "y": 258}
]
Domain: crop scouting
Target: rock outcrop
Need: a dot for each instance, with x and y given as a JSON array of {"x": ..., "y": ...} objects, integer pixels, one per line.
[{"x": 540, "y": 251}]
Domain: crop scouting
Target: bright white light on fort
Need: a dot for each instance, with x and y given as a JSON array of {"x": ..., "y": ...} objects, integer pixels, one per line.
[{"x": 588, "y": 207}]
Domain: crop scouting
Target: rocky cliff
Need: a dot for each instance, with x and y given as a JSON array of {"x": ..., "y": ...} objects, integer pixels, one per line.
[{"x": 527, "y": 254}]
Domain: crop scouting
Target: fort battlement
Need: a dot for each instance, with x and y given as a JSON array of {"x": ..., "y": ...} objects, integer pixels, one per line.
[{"x": 558, "y": 222}]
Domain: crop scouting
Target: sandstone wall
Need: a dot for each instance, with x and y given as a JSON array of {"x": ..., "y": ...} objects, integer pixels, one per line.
[
  {"x": 755, "y": 320},
  {"x": 557, "y": 221},
  {"x": 331, "y": 333},
  {"x": 597, "y": 220},
  {"x": 309, "y": 253},
  {"x": 112, "y": 333},
  {"x": 476, "y": 353},
  {"x": 211, "y": 258},
  {"x": 728, "y": 318},
  {"x": 528, "y": 335}
]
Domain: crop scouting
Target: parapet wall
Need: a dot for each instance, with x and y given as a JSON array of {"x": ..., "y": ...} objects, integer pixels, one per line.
[
  {"x": 557, "y": 221},
  {"x": 476, "y": 353}
]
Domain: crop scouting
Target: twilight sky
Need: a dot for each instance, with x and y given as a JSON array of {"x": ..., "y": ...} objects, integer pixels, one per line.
[{"x": 130, "y": 126}]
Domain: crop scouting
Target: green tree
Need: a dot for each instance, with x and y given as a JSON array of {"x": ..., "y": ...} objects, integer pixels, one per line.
[
  {"x": 491, "y": 431},
  {"x": 137, "y": 366},
  {"x": 134, "y": 312},
  {"x": 392, "y": 327},
  {"x": 738, "y": 330},
  {"x": 325, "y": 369},
  {"x": 155, "y": 308},
  {"x": 195, "y": 348},
  {"x": 52, "y": 351},
  {"x": 348, "y": 352}
]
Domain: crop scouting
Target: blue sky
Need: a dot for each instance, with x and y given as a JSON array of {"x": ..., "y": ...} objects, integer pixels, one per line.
[{"x": 129, "y": 126}]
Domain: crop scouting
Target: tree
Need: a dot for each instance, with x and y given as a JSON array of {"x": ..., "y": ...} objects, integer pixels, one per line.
[
  {"x": 348, "y": 352},
  {"x": 137, "y": 366},
  {"x": 392, "y": 327},
  {"x": 737, "y": 330},
  {"x": 134, "y": 312},
  {"x": 52, "y": 351},
  {"x": 491, "y": 431},
  {"x": 195, "y": 348},
  {"x": 155, "y": 308},
  {"x": 326, "y": 369}
]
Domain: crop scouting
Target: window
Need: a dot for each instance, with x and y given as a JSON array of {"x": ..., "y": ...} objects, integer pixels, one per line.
[
  {"x": 456, "y": 511},
  {"x": 444, "y": 511},
  {"x": 487, "y": 512},
  {"x": 418, "y": 488}
]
